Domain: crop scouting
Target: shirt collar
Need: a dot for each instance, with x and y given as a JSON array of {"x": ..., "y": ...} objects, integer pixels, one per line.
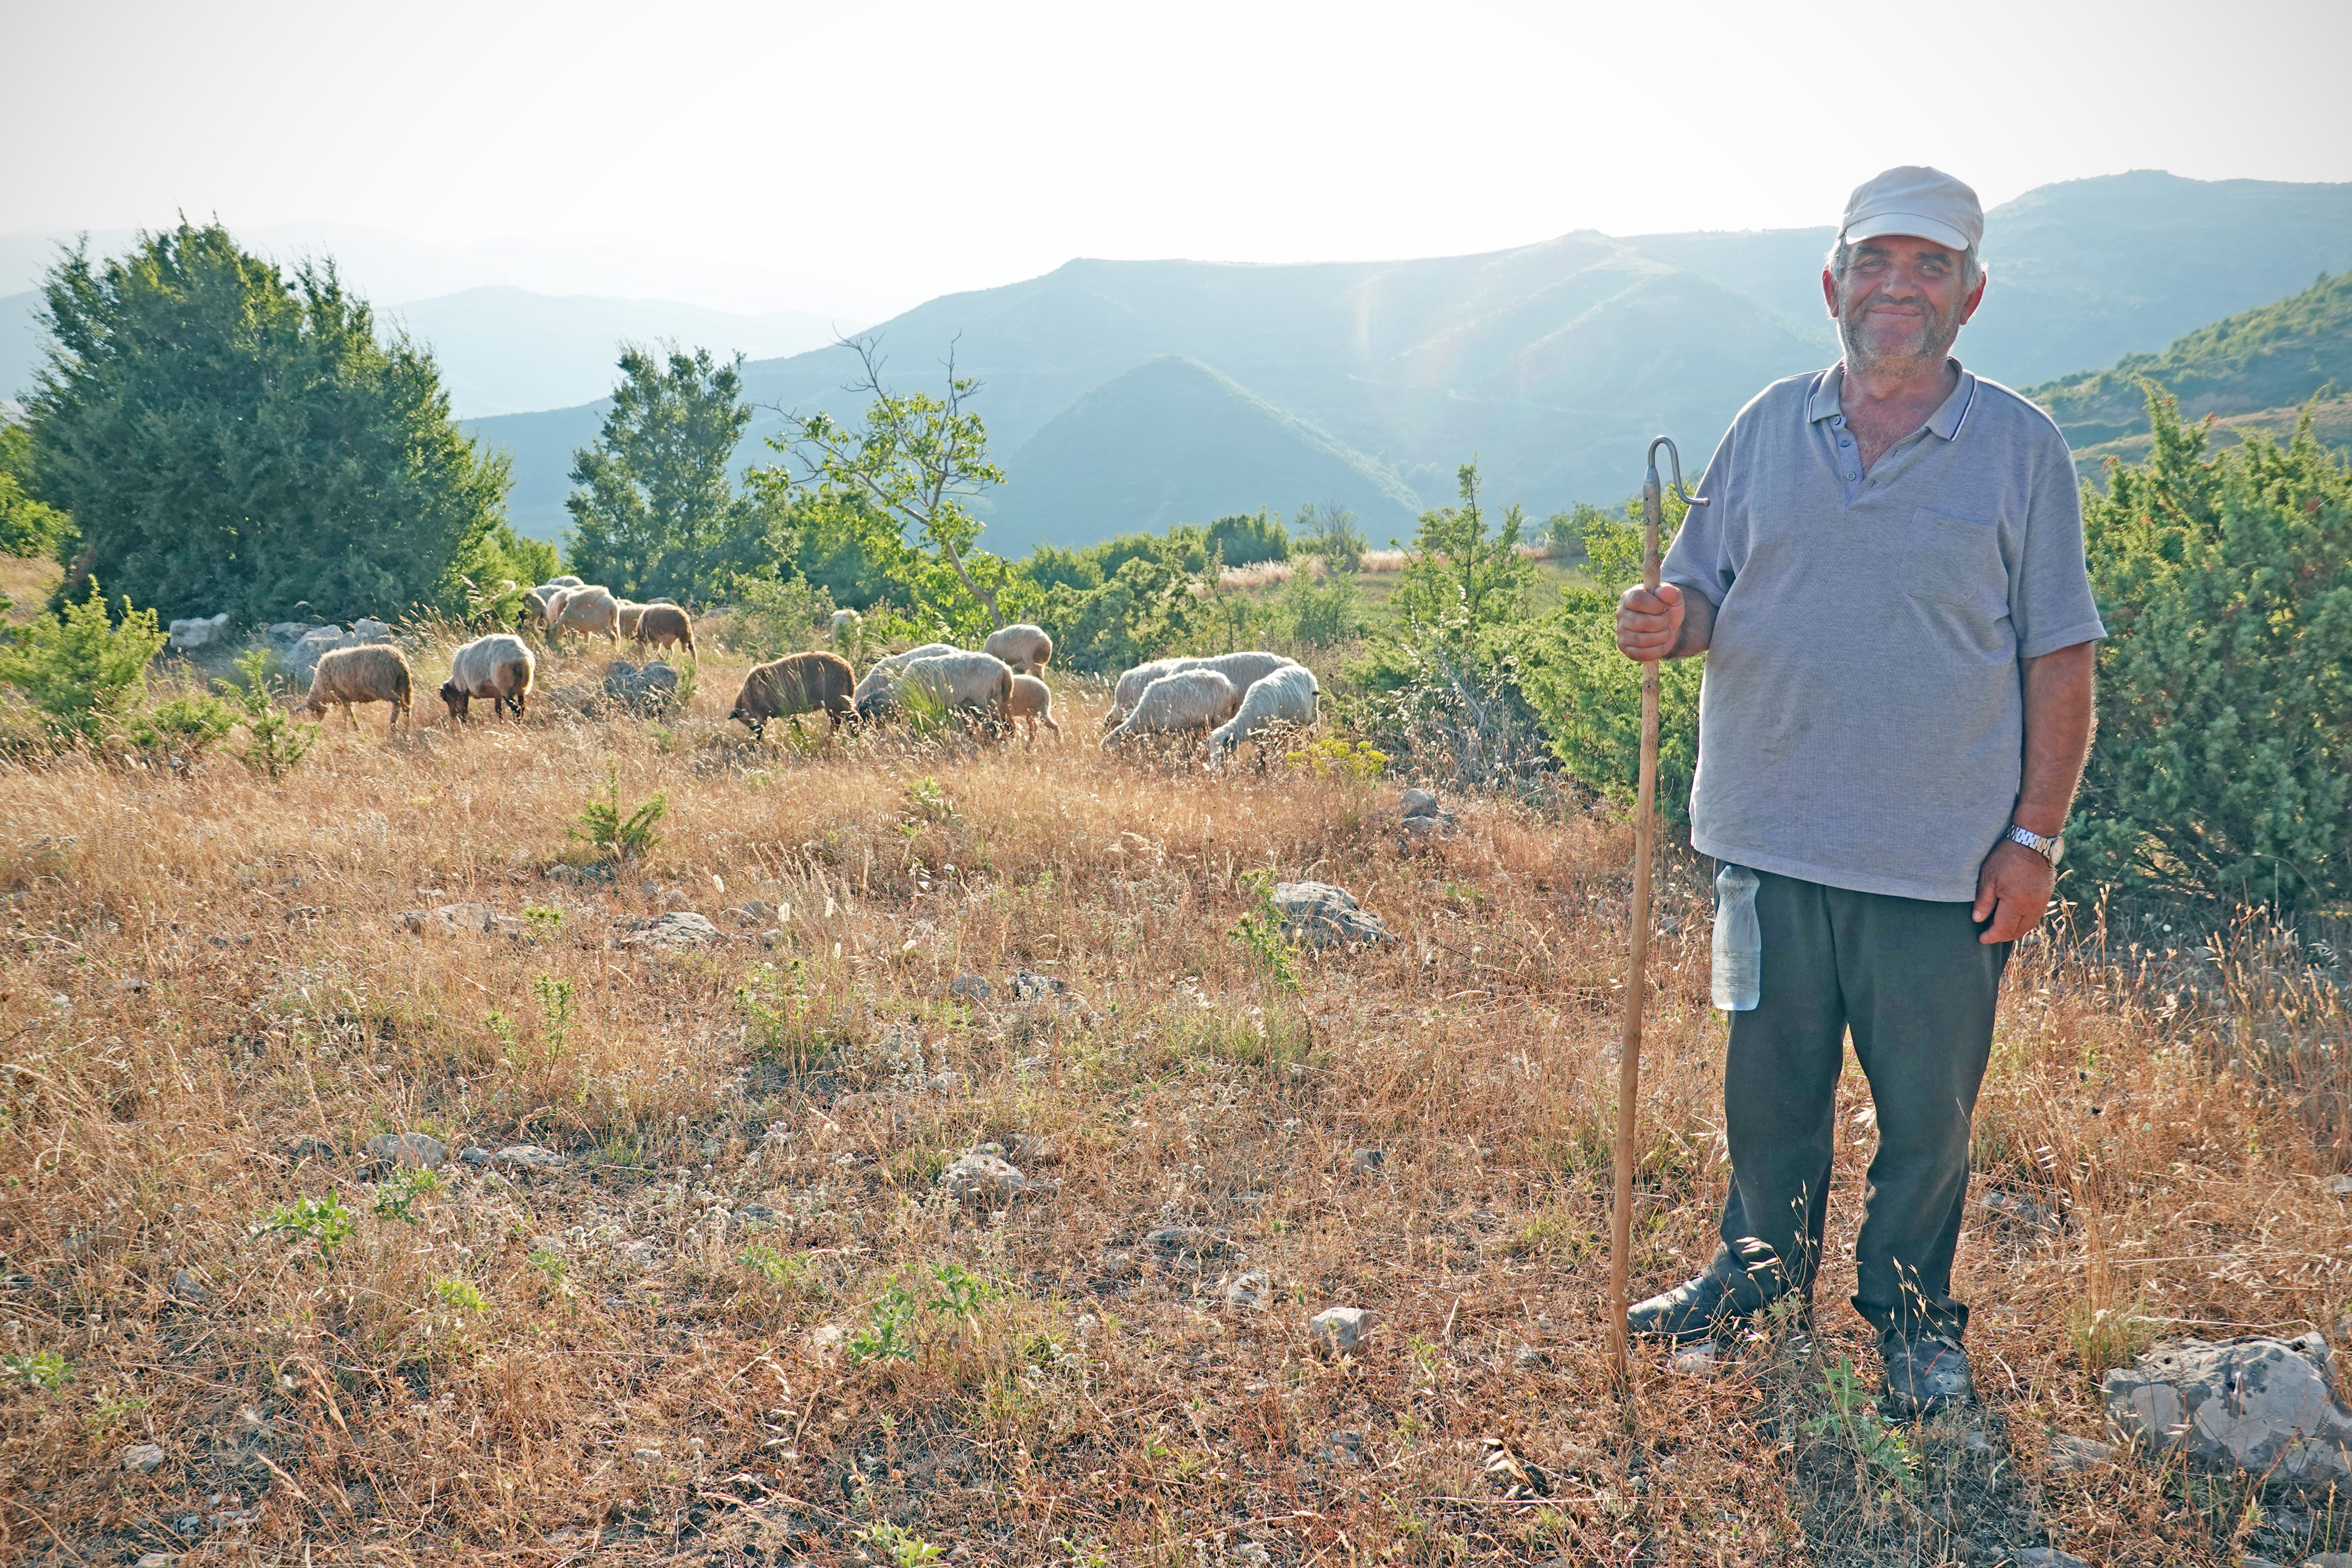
[{"x": 1823, "y": 402}]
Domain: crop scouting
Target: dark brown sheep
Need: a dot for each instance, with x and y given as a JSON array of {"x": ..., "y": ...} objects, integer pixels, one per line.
[
  {"x": 659, "y": 625},
  {"x": 373, "y": 672},
  {"x": 796, "y": 684}
]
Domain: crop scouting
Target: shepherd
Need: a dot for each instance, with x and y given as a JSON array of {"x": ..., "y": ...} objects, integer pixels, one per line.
[{"x": 1888, "y": 583}]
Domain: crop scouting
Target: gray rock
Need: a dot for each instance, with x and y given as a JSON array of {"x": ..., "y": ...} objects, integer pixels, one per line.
[
  {"x": 283, "y": 635},
  {"x": 467, "y": 919},
  {"x": 639, "y": 1254},
  {"x": 408, "y": 1149},
  {"x": 199, "y": 631},
  {"x": 2023, "y": 1210},
  {"x": 645, "y": 689},
  {"x": 144, "y": 1458},
  {"x": 2072, "y": 1456},
  {"x": 477, "y": 1155},
  {"x": 1367, "y": 1162},
  {"x": 527, "y": 1157},
  {"x": 156, "y": 1559},
  {"x": 303, "y": 1149},
  {"x": 1252, "y": 1289},
  {"x": 1028, "y": 987},
  {"x": 367, "y": 630},
  {"x": 2324, "y": 1560},
  {"x": 1345, "y": 1446},
  {"x": 1252, "y": 1555},
  {"x": 947, "y": 1083},
  {"x": 2250, "y": 1561},
  {"x": 1321, "y": 914},
  {"x": 1187, "y": 1241},
  {"x": 982, "y": 1180},
  {"x": 678, "y": 929},
  {"x": 1341, "y": 1330},
  {"x": 1695, "y": 1360},
  {"x": 2044, "y": 1557},
  {"x": 757, "y": 1217},
  {"x": 969, "y": 988},
  {"x": 1529, "y": 1358},
  {"x": 827, "y": 1338},
  {"x": 189, "y": 1286},
  {"x": 303, "y": 658},
  {"x": 2338, "y": 1186},
  {"x": 2253, "y": 1404},
  {"x": 1417, "y": 803}
]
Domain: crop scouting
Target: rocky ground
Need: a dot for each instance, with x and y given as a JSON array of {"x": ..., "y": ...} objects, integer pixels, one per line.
[{"x": 1003, "y": 1154}]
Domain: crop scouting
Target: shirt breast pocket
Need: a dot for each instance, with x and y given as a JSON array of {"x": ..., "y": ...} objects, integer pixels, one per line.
[{"x": 1953, "y": 568}]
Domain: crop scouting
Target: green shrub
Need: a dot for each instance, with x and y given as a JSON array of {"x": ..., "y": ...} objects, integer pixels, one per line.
[
  {"x": 622, "y": 835},
  {"x": 1321, "y": 612},
  {"x": 274, "y": 739},
  {"x": 84, "y": 672},
  {"x": 2219, "y": 769},
  {"x": 1248, "y": 538},
  {"x": 181, "y": 729}
]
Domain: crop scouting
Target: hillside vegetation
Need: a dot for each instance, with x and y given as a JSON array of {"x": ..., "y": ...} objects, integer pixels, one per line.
[
  {"x": 743, "y": 1324},
  {"x": 2276, "y": 357}
]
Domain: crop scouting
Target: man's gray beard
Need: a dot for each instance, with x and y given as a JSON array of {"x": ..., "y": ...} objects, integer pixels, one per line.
[{"x": 1942, "y": 335}]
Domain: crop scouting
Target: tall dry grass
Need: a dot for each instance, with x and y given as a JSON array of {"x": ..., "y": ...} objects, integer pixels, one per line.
[{"x": 622, "y": 1360}]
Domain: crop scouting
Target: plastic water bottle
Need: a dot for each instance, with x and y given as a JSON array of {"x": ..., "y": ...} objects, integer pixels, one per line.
[{"x": 1738, "y": 973}]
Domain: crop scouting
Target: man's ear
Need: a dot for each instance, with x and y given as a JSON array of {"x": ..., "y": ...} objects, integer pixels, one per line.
[
  {"x": 1976, "y": 297},
  {"x": 1829, "y": 290}
]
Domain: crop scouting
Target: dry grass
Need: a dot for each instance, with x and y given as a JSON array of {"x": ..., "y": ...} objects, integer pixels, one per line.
[{"x": 614, "y": 1361}]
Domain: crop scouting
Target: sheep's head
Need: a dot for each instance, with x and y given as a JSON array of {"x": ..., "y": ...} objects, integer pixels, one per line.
[{"x": 457, "y": 697}]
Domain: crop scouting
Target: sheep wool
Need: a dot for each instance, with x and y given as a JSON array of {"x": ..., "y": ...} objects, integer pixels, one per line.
[
  {"x": 1285, "y": 698},
  {"x": 373, "y": 672},
  {"x": 499, "y": 667},
  {"x": 1181, "y": 704}
]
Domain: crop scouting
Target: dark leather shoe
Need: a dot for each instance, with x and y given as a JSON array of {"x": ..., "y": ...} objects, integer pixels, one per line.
[
  {"x": 1925, "y": 1372},
  {"x": 1695, "y": 1309}
]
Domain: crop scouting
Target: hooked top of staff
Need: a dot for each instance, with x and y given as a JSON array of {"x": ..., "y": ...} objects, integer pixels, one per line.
[{"x": 1674, "y": 456}]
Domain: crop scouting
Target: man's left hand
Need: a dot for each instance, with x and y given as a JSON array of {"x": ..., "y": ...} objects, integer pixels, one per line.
[{"x": 2013, "y": 888}]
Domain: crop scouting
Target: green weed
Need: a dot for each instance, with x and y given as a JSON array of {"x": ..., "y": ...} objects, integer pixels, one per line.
[
  {"x": 325, "y": 1223},
  {"x": 615, "y": 833}
]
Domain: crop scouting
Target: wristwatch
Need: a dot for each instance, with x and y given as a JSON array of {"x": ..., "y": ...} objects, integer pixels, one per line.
[{"x": 2051, "y": 849}]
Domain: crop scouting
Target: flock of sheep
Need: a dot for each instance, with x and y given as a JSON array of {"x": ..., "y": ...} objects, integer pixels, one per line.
[{"x": 1228, "y": 698}]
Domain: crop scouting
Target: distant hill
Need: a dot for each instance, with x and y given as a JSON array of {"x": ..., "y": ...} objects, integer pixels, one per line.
[
  {"x": 503, "y": 350},
  {"x": 23, "y": 344},
  {"x": 1173, "y": 441},
  {"x": 1551, "y": 363},
  {"x": 2331, "y": 423},
  {"x": 2274, "y": 357}
]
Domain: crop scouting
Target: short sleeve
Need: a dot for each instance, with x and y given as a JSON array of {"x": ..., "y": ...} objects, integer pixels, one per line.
[
  {"x": 1699, "y": 561},
  {"x": 2051, "y": 604}
]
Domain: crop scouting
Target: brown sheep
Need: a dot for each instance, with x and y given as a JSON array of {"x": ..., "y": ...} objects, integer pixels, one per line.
[
  {"x": 796, "y": 684},
  {"x": 373, "y": 672},
  {"x": 1032, "y": 699},
  {"x": 659, "y": 625},
  {"x": 497, "y": 666}
]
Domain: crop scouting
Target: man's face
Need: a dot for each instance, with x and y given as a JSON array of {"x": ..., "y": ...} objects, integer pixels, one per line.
[{"x": 1901, "y": 299}]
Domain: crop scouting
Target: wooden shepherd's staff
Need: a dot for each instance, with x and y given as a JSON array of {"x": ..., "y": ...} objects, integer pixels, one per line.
[{"x": 1629, "y": 1059}]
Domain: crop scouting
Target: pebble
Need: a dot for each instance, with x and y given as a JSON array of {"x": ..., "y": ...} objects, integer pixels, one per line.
[
  {"x": 977, "y": 1178},
  {"x": 1529, "y": 1357},
  {"x": 1186, "y": 1240},
  {"x": 2044, "y": 1557},
  {"x": 947, "y": 1083},
  {"x": 527, "y": 1157},
  {"x": 679, "y": 927},
  {"x": 971, "y": 988},
  {"x": 2341, "y": 1186},
  {"x": 1341, "y": 1330},
  {"x": 828, "y": 1338},
  {"x": 144, "y": 1458},
  {"x": 1251, "y": 1289},
  {"x": 156, "y": 1559},
  {"x": 408, "y": 1149},
  {"x": 303, "y": 1149},
  {"x": 1695, "y": 1360},
  {"x": 2071, "y": 1456},
  {"x": 189, "y": 1287}
]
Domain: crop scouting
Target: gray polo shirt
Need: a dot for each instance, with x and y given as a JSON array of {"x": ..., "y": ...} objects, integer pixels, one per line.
[{"x": 1862, "y": 722}]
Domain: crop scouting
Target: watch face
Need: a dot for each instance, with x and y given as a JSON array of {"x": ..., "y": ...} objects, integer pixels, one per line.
[{"x": 2057, "y": 850}]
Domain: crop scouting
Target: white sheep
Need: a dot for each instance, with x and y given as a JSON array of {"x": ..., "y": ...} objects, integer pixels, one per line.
[
  {"x": 1283, "y": 699},
  {"x": 1033, "y": 700},
  {"x": 1177, "y": 704},
  {"x": 565, "y": 583},
  {"x": 497, "y": 666},
  {"x": 584, "y": 610},
  {"x": 957, "y": 680},
  {"x": 846, "y": 634},
  {"x": 1025, "y": 648},
  {"x": 882, "y": 680},
  {"x": 1244, "y": 669}
]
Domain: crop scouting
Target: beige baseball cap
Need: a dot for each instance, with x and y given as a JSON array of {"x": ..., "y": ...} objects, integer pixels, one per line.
[{"x": 1914, "y": 199}]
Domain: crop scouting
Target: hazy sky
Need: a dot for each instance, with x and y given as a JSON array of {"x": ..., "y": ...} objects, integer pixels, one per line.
[{"x": 740, "y": 155}]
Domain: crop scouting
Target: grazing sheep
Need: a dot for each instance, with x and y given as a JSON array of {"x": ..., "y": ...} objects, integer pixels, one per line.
[
  {"x": 1025, "y": 648},
  {"x": 1189, "y": 702},
  {"x": 584, "y": 610},
  {"x": 625, "y": 621},
  {"x": 373, "y": 672},
  {"x": 954, "y": 681},
  {"x": 1244, "y": 669},
  {"x": 660, "y": 625},
  {"x": 1285, "y": 698},
  {"x": 565, "y": 583},
  {"x": 882, "y": 680},
  {"x": 796, "y": 684},
  {"x": 1033, "y": 700},
  {"x": 497, "y": 666}
]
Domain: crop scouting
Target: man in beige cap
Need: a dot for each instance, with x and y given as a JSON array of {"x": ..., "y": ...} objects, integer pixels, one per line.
[{"x": 1888, "y": 581}]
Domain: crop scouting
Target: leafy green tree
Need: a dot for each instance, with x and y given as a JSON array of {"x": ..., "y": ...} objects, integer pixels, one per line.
[
  {"x": 654, "y": 511},
  {"x": 1143, "y": 607},
  {"x": 834, "y": 538},
  {"x": 1330, "y": 530},
  {"x": 83, "y": 672},
  {"x": 1589, "y": 695},
  {"x": 1321, "y": 612},
  {"x": 2222, "y": 765},
  {"x": 1462, "y": 576},
  {"x": 225, "y": 438},
  {"x": 1248, "y": 538},
  {"x": 917, "y": 459},
  {"x": 28, "y": 526}
]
